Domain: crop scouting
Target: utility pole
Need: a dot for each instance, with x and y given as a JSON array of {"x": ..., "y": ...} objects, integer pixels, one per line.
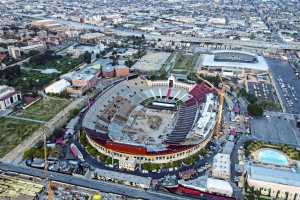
[{"x": 48, "y": 181}]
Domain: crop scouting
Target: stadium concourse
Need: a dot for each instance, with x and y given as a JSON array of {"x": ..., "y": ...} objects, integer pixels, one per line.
[{"x": 138, "y": 120}]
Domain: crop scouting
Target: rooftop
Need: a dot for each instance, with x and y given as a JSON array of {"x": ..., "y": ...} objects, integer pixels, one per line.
[
  {"x": 260, "y": 65},
  {"x": 278, "y": 176},
  {"x": 6, "y": 91},
  {"x": 15, "y": 188},
  {"x": 146, "y": 181},
  {"x": 217, "y": 183}
]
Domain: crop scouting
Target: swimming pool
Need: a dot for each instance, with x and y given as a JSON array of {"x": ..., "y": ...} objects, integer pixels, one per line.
[{"x": 272, "y": 156}]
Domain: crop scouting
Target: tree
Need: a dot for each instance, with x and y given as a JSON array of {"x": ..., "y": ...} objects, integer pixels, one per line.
[
  {"x": 251, "y": 98},
  {"x": 87, "y": 57},
  {"x": 43, "y": 58},
  {"x": 74, "y": 112},
  {"x": 33, "y": 52},
  {"x": 129, "y": 63},
  {"x": 255, "y": 109},
  {"x": 243, "y": 92},
  {"x": 114, "y": 58}
]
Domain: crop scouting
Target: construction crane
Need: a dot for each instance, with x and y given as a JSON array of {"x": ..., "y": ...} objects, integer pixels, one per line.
[{"x": 48, "y": 181}]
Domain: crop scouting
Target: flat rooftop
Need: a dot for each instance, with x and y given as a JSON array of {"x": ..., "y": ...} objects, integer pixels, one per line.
[
  {"x": 86, "y": 74},
  {"x": 260, "y": 65},
  {"x": 278, "y": 176},
  {"x": 146, "y": 181},
  {"x": 16, "y": 188},
  {"x": 152, "y": 61}
]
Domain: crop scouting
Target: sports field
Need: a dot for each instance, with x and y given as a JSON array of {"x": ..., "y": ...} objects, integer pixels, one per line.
[{"x": 185, "y": 62}]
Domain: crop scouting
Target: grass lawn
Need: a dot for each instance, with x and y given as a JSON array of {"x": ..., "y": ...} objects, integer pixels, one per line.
[
  {"x": 44, "y": 109},
  {"x": 13, "y": 132},
  {"x": 185, "y": 62}
]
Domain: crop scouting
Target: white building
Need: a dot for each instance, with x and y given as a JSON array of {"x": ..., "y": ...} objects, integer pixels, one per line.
[
  {"x": 221, "y": 166},
  {"x": 128, "y": 164},
  {"x": 57, "y": 87},
  {"x": 278, "y": 183},
  {"x": 219, "y": 186},
  {"x": 92, "y": 38},
  {"x": 8, "y": 97},
  {"x": 38, "y": 46},
  {"x": 217, "y": 21},
  {"x": 14, "y": 52},
  {"x": 232, "y": 63}
]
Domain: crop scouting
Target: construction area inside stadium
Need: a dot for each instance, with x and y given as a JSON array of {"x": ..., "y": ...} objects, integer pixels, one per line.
[{"x": 139, "y": 121}]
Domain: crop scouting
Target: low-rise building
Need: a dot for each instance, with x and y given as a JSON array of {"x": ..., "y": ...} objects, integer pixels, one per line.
[
  {"x": 92, "y": 38},
  {"x": 278, "y": 183},
  {"x": 127, "y": 163},
  {"x": 121, "y": 71},
  {"x": 37, "y": 46},
  {"x": 14, "y": 52},
  {"x": 8, "y": 97},
  {"x": 221, "y": 166},
  {"x": 82, "y": 80},
  {"x": 125, "y": 178}
]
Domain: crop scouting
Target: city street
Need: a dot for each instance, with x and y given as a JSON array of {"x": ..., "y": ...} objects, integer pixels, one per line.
[{"x": 92, "y": 184}]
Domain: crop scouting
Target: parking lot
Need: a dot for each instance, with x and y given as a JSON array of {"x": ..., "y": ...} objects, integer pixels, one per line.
[
  {"x": 287, "y": 84},
  {"x": 263, "y": 91},
  {"x": 276, "y": 129}
]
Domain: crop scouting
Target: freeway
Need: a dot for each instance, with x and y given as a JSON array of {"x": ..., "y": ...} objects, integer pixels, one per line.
[
  {"x": 175, "y": 38},
  {"x": 91, "y": 184}
]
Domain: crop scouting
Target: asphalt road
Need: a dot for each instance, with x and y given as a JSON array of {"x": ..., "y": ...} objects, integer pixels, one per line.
[
  {"x": 92, "y": 184},
  {"x": 234, "y": 158}
]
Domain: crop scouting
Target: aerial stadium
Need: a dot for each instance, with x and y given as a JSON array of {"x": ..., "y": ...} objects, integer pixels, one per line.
[{"x": 140, "y": 121}]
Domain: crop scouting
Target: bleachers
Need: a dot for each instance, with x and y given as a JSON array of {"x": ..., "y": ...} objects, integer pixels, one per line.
[
  {"x": 187, "y": 114},
  {"x": 184, "y": 123},
  {"x": 200, "y": 91}
]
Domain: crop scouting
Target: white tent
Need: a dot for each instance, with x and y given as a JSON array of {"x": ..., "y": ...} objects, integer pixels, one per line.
[
  {"x": 219, "y": 186},
  {"x": 57, "y": 87}
]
